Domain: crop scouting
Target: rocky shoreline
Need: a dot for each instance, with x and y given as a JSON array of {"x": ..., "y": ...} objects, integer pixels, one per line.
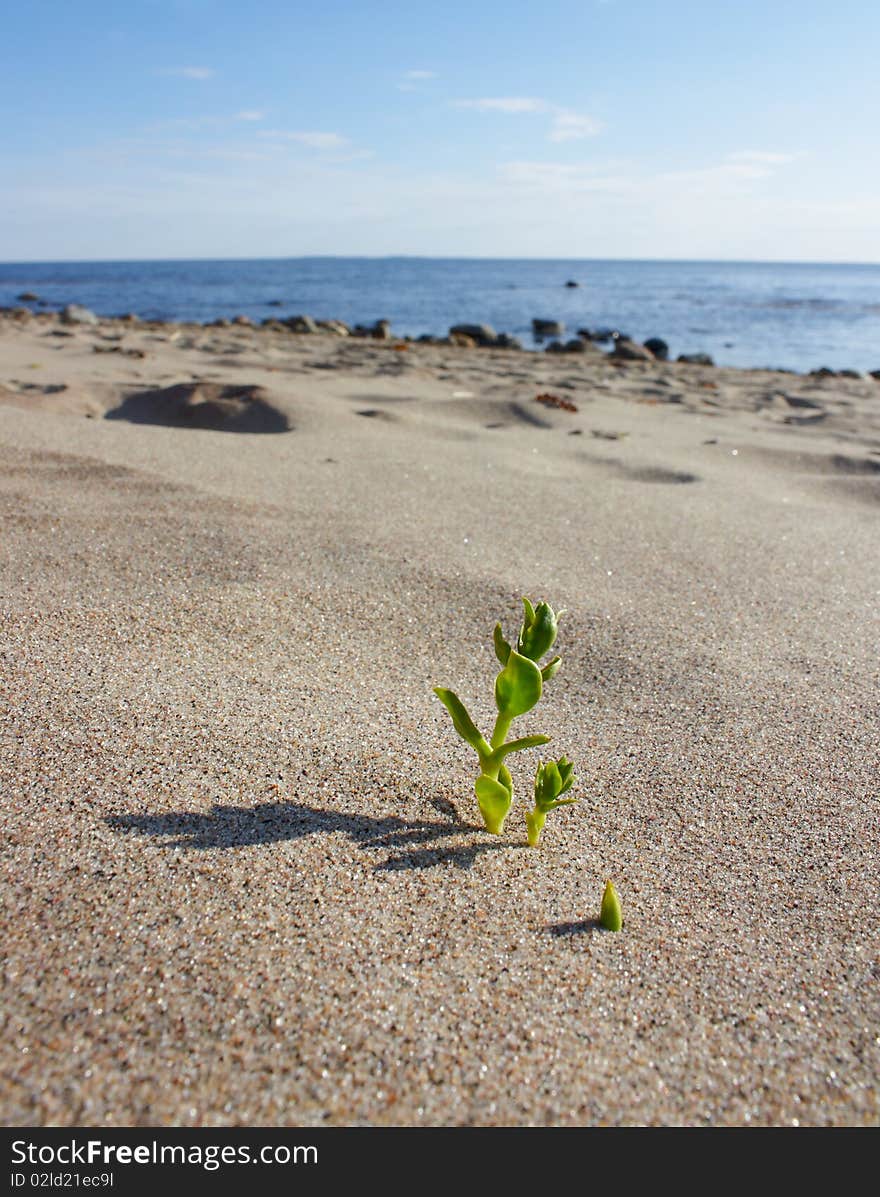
[{"x": 549, "y": 335}]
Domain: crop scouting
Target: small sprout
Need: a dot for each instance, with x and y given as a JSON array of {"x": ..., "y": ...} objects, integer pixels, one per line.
[
  {"x": 518, "y": 688},
  {"x": 610, "y": 916},
  {"x": 551, "y": 780}
]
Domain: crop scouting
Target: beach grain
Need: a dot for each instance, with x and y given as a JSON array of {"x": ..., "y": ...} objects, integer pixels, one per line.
[{"x": 246, "y": 880}]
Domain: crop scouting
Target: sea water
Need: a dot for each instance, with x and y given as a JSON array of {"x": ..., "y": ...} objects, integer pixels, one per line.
[{"x": 795, "y": 316}]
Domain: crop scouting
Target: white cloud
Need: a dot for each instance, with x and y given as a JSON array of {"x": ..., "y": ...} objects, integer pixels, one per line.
[
  {"x": 571, "y": 126},
  {"x": 190, "y": 72},
  {"x": 556, "y": 177},
  {"x": 505, "y": 104},
  {"x": 250, "y": 114},
  {"x": 419, "y": 75},
  {"x": 761, "y": 157},
  {"x": 314, "y": 140},
  {"x": 566, "y": 125}
]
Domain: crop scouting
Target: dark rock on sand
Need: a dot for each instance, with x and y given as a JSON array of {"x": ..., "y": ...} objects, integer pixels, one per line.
[
  {"x": 658, "y": 347},
  {"x": 575, "y": 345},
  {"x": 506, "y": 341},
  {"x": 380, "y": 330},
  {"x": 481, "y": 334},
  {"x": 206, "y": 405},
  {"x": 874, "y": 374},
  {"x": 301, "y": 324},
  {"x": 548, "y": 328},
  {"x": 629, "y": 351},
  {"x": 696, "y": 359},
  {"x": 74, "y": 313},
  {"x": 338, "y": 327},
  {"x": 603, "y": 335}
]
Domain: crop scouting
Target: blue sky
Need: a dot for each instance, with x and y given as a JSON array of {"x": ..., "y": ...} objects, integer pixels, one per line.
[{"x": 596, "y": 128}]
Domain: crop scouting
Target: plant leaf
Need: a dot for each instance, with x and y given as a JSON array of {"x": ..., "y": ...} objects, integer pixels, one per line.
[
  {"x": 551, "y": 669},
  {"x": 461, "y": 720},
  {"x": 494, "y": 800},
  {"x": 518, "y": 686},
  {"x": 521, "y": 744},
  {"x": 502, "y": 648},
  {"x": 610, "y": 915}
]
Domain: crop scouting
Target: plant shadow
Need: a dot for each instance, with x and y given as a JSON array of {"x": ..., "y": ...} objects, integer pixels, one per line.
[
  {"x": 413, "y": 844},
  {"x": 569, "y": 930}
]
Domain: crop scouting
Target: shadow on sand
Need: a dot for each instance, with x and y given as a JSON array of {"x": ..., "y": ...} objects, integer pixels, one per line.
[
  {"x": 569, "y": 930},
  {"x": 413, "y": 844}
]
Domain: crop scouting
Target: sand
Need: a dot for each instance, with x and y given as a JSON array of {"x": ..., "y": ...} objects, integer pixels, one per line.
[{"x": 246, "y": 881}]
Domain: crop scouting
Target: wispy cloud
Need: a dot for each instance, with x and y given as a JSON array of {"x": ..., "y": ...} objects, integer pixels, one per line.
[
  {"x": 565, "y": 125},
  {"x": 564, "y": 177},
  {"x": 250, "y": 114},
  {"x": 511, "y": 104},
  {"x": 412, "y": 79},
  {"x": 190, "y": 72},
  {"x": 571, "y": 126},
  {"x": 314, "y": 140}
]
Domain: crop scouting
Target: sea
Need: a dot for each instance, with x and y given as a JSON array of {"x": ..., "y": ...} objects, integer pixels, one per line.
[{"x": 791, "y": 316}]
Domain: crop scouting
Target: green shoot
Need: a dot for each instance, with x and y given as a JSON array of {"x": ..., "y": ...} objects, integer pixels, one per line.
[
  {"x": 551, "y": 780},
  {"x": 518, "y": 687},
  {"x": 610, "y": 916}
]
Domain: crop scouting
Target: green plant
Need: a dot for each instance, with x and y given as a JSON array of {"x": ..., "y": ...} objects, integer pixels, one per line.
[
  {"x": 518, "y": 687},
  {"x": 551, "y": 780},
  {"x": 610, "y": 915}
]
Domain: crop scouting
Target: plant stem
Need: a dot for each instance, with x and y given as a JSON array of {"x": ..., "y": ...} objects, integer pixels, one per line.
[
  {"x": 535, "y": 825},
  {"x": 502, "y": 727}
]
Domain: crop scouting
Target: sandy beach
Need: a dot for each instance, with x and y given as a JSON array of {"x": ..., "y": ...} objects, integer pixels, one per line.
[{"x": 245, "y": 879}]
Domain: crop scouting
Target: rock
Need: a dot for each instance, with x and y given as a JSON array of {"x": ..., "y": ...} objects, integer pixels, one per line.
[
  {"x": 462, "y": 340},
  {"x": 482, "y": 334},
  {"x": 571, "y": 283},
  {"x": 380, "y": 330},
  {"x": 206, "y": 405},
  {"x": 696, "y": 359},
  {"x": 658, "y": 347},
  {"x": 579, "y": 345},
  {"x": 301, "y": 324},
  {"x": 602, "y": 335},
  {"x": 245, "y": 320},
  {"x": 274, "y": 325},
  {"x": 575, "y": 345},
  {"x": 129, "y": 318},
  {"x": 29, "y": 297},
  {"x": 823, "y": 372},
  {"x": 338, "y": 327},
  {"x": 874, "y": 374},
  {"x": 220, "y": 322},
  {"x": 506, "y": 341},
  {"x": 74, "y": 313},
  {"x": 848, "y": 374},
  {"x": 628, "y": 351},
  {"x": 548, "y": 328}
]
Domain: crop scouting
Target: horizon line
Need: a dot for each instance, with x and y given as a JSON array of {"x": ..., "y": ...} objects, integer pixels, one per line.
[{"x": 442, "y": 258}]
